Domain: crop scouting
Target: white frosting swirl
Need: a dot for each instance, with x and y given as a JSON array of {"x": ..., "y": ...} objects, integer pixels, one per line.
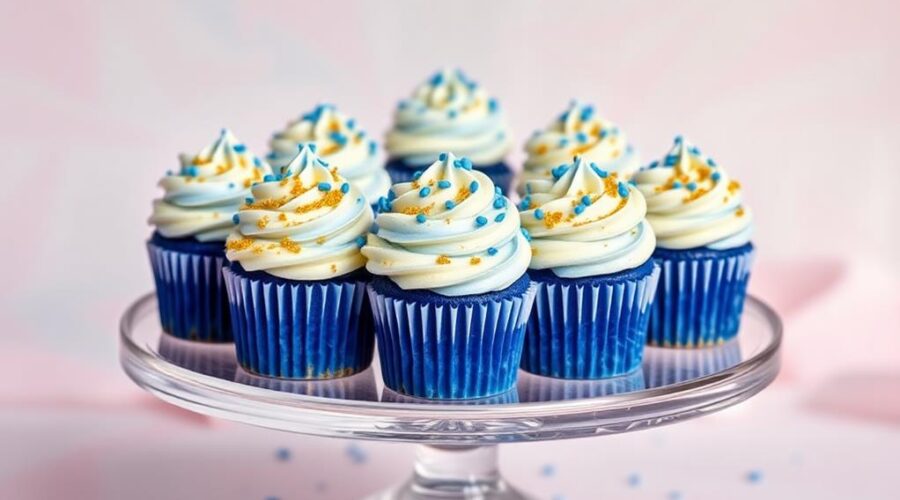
[
  {"x": 449, "y": 112},
  {"x": 202, "y": 198},
  {"x": 449, "y": 231},
  {"x": 578, "y": 132},
  {"x": 338, "y": 140},
  {"x": 307, "y": 224},
  {"x": 587, "y": 223},
  {"x": 692, "y": 203}
]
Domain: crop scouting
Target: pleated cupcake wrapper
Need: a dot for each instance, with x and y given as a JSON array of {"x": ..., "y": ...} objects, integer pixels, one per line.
[
  {"x": 535, "y": 388},
  {"x": 509, "y": 397},
  {"x": 216, "y": 360},
  {"x": 664, "y": 367},
  {"x": 359, "y": 387},
  {"x": 190, "y": 291},
  {"x": 302, "y": 330},
  {"x": 589, "y": 331},
  {"x": 443, "y": 351},
  {"x": 699, "y": 301}
]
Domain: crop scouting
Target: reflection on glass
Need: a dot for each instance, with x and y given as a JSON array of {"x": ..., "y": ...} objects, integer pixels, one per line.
[
  {"x": 666, "y": 366},
  {"x": 535, "y": 388},
  {"x": 215, "y": 360},
  {"x": 358, "y": 387},
  {"x": 508, "y": 397}
]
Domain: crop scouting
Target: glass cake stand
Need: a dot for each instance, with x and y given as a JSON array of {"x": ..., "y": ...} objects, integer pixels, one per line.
[{"x": 457, "y": 452}]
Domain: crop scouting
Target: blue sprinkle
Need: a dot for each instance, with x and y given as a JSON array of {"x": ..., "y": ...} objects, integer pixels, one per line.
[
  {"x": 599, "y": 171},
  {"x": 653, "y": 164},
  {"x": 493, "y": 105},
  {"x": 754, "y": 476},
  {"x": 465, "y": 163},
  {"x": 402, "y": 105},
  {"x": 675, "y": 495},
  {"x": 236, "y": 219},
  {"x": 716, "y": 176},
  {"x": 360, "y": 241},
  {"x": 356, "y": 454},
  {"x": 191, "y": 171},
  {"x": 581, "y": 137},
  {"x": 283, "y": 455},
  {"x": 634, "y": 480},
  {"x": 678, "y": 139},
  {"x": 240, "y": 148},
  {"x": 710, "y": 162},
  {"x": 452, "y": 114},
  {"x": 586, "y": 200},
  {"x": 248, "y": 200},
  {"x": 632, "y": 182},
  {"x": 481, "y": 220},
  {"x": 499, "y": 202},
  {"x": 420, "y": 218},
  {"x": 442, "y": 157},
  {"x": 310, "y": 145},
  {"x": 345, "y": 188},
  {"x": 603, "y": 133},
  {"x": 324, "y": 186},
  {"x": 528, "y": 188},
  {"x": 691, "y": 186},
  {"x": 526, "y": 234},
  {"x": 563, "y": 142},
  {"x": 473, "y": 186},
  {"x": 676, "y": 185},
  {"x": 230, "y": 185},
  {"x": 444, "y": 184},
  {"x": 257, "y": 162},
  {"x": 424, "y": 192},
  {"x": 322, "y": 162},
  {"x": 579, "y": 209},
  {"x": 372, "y": 148},
  {"x": 384, "y": 205},
  {"x": 417, "y": 174},
  {"x": 339, "y": 138},
  {"x": 559, "y": 171},
  {"x": 587, "y": 113},
  {"x": 670, "y": 160},
  {"x": 437, "y": 79},
  {"x": 351, "y": 123},
  {"x": 694, "y": 150},
  {"x": 623, "y": 190},
  {"x": 449, "y": 204},
  {"x": 497, "y": 190},
  {"x": 492, "y": 251},
  {"x": 538, "y": 214},
  {"x": 391, "y": 196},
  {"x": 525, "y": 203},
  {"x": 268, "y": 178},
  {"x": 548, "y": 470},
  {"x": 499, "y": 217}
]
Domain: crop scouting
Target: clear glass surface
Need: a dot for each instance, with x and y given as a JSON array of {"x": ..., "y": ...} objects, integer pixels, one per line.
[{"x": 673, "y": 384}]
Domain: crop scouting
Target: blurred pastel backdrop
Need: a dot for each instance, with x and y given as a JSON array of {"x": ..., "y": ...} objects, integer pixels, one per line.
[{"x": 799, "y": 100}]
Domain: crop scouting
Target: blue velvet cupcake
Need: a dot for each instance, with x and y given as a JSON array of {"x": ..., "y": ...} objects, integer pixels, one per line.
[
  {"x": 296, "y": 283},
  {"x": 451, "y": 294},
  {"x": 187, "y": 250},
  {"x": 452, "y": 113},
  {"x": 703, "y": 246},
  {"x": 339, "y": 140},
  {"x": 578, "y": 131},
  {"x": 591, "y": 261}
]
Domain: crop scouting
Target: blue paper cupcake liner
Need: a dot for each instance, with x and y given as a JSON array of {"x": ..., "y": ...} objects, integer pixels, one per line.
[
  {"x": 504, "y": 398},
  {"x": 589, "y": 328},
  {"x": 215, "y": 360},
  {"x": 190, "y": 291},
  {"x": 358, "y": 387},
  {"x": 700, "y": 296},
  {"x": 438, "y": 347},
  {"x": 664, "y": 367},
  {"x": 300, "y": 329},
  {"x": 500, "y": 173},
  {"x": 536, "y": 388}
]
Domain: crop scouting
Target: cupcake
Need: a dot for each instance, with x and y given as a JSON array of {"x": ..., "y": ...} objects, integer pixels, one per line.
[
  {"x": 452, "y": 113},
  {"x": 450, "y": 294},
  {"x": 592, "y": 263},
  {"x": 296, "y": 281},
  {"x": 339, "y": 140},
  {"x": 703, "y": 245},
  {"x": 187, "y": 250},
  {"x": 577, "y": 132}
]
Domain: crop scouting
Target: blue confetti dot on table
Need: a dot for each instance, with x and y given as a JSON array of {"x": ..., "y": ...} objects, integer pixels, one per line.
[
  {"x": 443, "y": 184},
  {"x": 499, "y": 217},
  {"x": 548, "y": 470},
  {"x": 324, "y": 186},
  {"x": 538, "y": 214},
  {"x": 481, "y": 220},
  {"x": 356, "y": 454},
  {"x": 675, "y": 495},
  {"x": 236, "y": 219},
  {"x": 754, "y": 476},
  {"x": 424, "y": 192},
  {"x": 492, "y": 251},
  {"x": 442, "y": 157},
  {"x": 345, "y": 188},
  {"x": 634, "y": 480},
  {"x": 283, "y": 454},
  {"x": 449, "y": 204},
  {"x": 420, "y": 218},
  {"x": 473, "y": 186}
]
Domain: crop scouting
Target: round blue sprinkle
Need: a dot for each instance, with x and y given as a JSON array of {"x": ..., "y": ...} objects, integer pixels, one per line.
[
  {"x": 417, "y": 175},
  {"x": 473, "y": 186},
  {"x": 526, "y": 234},
  {"x": 563, "y": 142},
  {"x": 481, "y": 220},
  {"x": 236, "y": 219},
  {"x": 372, "y": 148},
  {"x": 678, "y": 139},
  {"x": 444, "y": 184},
  {"x": 581, "y": 137},
  {"x": 324, "y": 186},
  {"x": 191, "y": 171},
  {"x": 345, "y": 188},
  {"x": 391, "y": 196},
  {"x": 442, "y": 157},
  {"x": 452, "y": 114},
  {"x": 538, "y": 214},
  {"x": 268, "y": 178},
  {"x": 497, "y": 190},
  {"x": 676, "y": 185},
  {"x": 754, "y": 476},
  {"x": 492, "y": 251},
  {"x": 579, "y": 209},
  {"x": 499, "y": 217},
  {"x": 499, "y": 202},
  {"x": 623, "y": 190},
  {"x": 310, "y": 145},
  {"x": 240, "y": 148},
  {"x": 425, "y": 191},
  {"x": 586, "y": 200},
  {"x": 420, "y": 218},
  {"x": 230, "y": 185},
  {"x": 603, "y": 134},
  {"x": 691, "y": 186},
  {"x": 360, "y": 241},
  {"x": 710, "y": 162},
  {"x": 716, "y": 176},
  {"x": 449, "y": 204},
  {"x": 351, "y": 123},
  {"x": 492, "y": 105},
  {"x": 248, "y": 200}
]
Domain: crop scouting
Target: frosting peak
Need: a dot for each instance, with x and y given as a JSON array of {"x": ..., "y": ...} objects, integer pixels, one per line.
[
  {"x": 449, "y": 112},
  {"x": 306, "y": 224},
  {"x": 587, "y": 222},
  {"x": 201, "y": 198},
  {"x": 448, "y": 231},
  {"x": 339, "y": 139},
  {"x": 579, "y": 131},
  {"x": 691, "y": 201}
]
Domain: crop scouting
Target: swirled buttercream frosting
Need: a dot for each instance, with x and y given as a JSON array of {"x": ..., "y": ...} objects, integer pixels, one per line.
[
  {"x": 339, "y": 140},
  {"x": 692, "y": 203},
  {"x": 587, "y": 223},
  {"x": 449, "y": 112},
  {"x": 449, "y": 231},
  {"x": 578, "y": 131},
  {"x": 308, "y": 223},
  {"x": 202, "y": 197}
]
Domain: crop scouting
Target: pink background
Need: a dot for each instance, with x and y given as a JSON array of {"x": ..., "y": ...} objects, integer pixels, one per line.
[{"x": 798, "y": 100}]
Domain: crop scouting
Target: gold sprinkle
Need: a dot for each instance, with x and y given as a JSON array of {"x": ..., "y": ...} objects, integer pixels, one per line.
[
  {"x": 289, "y": 245},
  {"x": 331, "y": 199},
  {"x": 258, "y": 249},
  {"x": 475, "y": 261},
  {"x": 733, "y": 186},
  {"x": 320, "y": 240},
  {"x": 241, "y": 244},
  {"x": 541, "y": 149},
  {"x": 552, "y": 219},
  {"x": 334, "y": 268},
  {"x": 442, "y": 259},
  {"x": 263, "y": 222},
  {"x": 739, "y": 212},
  {"x": 282, "y": 216}
]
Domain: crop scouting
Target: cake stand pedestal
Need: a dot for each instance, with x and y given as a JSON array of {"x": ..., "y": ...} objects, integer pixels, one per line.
[{"x": 457, "y": 441}]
